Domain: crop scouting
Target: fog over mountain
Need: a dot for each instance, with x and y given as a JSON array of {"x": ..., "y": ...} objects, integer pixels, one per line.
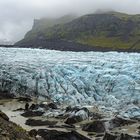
[{"x": 16, "y": 17}]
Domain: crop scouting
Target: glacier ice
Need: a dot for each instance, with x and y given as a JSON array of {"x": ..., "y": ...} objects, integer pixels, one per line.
[{"x": 110, "y": 79}]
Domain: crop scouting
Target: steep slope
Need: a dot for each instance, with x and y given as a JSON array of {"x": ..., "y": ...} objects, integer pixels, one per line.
[
  {"x": 43, "y": 24},
  {"x": 11, "y": 131},
  {"x": 109, "y": 31}
]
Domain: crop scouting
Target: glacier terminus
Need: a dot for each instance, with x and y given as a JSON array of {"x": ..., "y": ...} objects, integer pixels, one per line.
[{"x": 109, "y": 79}]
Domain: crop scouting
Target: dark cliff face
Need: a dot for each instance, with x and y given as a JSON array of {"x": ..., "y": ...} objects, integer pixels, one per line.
[{"x": 103, "y": 32}]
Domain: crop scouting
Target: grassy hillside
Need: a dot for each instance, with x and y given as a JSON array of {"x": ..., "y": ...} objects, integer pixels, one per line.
[
  {"x": 41, "y": 26},
  {"x": 108, "y": 30}
]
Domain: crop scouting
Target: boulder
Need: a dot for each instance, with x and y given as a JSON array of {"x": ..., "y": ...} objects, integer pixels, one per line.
[
  {"x": 73, "y": 120},
  {"x": 117, "y": 136},
  {"x": 138, "y": 127},
  {"x": 68, "y": 126},
  {"x": 34, "y": 107},
  {"x": 129, "y": 137},
  {"x": 120, "y": 121},
  {"x": 96, "y": 116},
  {"x": 24, "y": 99},
  {"x": 52, "y": 105},
  {"x": 110, "y": 136},
  {"x": 32, "y": 113},
  {"x": 48, "y": 106},
  {"x": 95, "y": 126},
  {"x": 33, "y": 122},
  {"x": 76, "y": 109},
  {"x": 60, "y": 135},
  {"x": 33, "y": 133},
  {"x": 26, "y": 106},
  {"x": 19, "y": 109},
  {"x": 98, "y": 139},
  {"x": 76, "y": 115},
  {"x": 4, "y": 116},
  {"x": 62, "y": 126},
  {"x": 71, "y": 109}
]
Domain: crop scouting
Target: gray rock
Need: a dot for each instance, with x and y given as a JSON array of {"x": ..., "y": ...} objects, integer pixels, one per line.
[
  {"x": 76, "y": 115},
  {"x": 33, "y": 122},
  {"x": 95, "y": 126},
  {"x": 60, "y": 135}
]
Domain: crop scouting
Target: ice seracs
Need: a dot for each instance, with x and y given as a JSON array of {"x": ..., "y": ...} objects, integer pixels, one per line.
[{"x": 108, "y": 79}]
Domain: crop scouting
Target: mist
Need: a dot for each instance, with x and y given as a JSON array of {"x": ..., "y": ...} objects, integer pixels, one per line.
[{"x": 16, "y": 16}]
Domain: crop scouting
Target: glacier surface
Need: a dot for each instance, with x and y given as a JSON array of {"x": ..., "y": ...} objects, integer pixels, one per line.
[{"x": 110, "y": 79}]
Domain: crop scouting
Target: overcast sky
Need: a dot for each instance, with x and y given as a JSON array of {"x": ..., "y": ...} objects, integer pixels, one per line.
[{"x": 16, "y": 16}]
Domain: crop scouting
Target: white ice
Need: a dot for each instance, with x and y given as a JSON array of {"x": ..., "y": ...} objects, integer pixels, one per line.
[{"x": 110, "y": 79}]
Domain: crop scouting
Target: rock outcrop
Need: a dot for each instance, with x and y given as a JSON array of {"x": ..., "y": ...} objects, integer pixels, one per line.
[
  {"x": 11, "y": 131},
  {"x": 59, "y": 135}
]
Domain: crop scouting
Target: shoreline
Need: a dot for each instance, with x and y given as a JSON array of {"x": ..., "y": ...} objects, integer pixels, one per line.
[
  {"x": 94, "y": 49},
  {"x": 8, "y": 105}
]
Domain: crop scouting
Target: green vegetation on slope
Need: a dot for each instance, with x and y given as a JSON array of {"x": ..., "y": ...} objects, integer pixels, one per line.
[
  {"x": 112, "y": 29},
  {"x": 40, "y": 26},
  {"x": 113, "y": 42}
]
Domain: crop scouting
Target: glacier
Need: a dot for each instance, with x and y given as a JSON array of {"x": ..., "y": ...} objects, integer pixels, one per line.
[{"x": 109, "y": 79}]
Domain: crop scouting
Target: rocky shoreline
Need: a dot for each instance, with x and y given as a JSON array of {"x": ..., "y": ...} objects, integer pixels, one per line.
[
  {"x": 12, "y": 131},
  {"x": 52, "y": 121}
]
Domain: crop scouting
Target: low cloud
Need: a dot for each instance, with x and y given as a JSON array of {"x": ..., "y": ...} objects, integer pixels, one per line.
[{"x": 16, "y": 16}]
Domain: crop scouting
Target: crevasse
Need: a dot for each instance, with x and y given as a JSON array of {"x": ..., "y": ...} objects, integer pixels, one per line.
[{"x": 87, "y": 78}]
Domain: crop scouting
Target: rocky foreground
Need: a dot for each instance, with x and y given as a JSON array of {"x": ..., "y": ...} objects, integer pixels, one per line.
[
  {"x": 11, "y": 131},
  {"x": 51, "y": 121}
]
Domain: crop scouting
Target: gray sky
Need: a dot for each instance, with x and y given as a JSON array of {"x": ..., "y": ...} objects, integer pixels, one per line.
[{"x": 16, "y": 16}]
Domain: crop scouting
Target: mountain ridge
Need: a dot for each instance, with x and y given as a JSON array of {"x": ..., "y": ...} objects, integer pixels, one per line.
[{"x": 107, "y": 31}]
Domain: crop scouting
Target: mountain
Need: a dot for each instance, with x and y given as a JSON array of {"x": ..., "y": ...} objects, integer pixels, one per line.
[
  {"x": 100, "y": 31},
  {"x": 42, "y": 25}
]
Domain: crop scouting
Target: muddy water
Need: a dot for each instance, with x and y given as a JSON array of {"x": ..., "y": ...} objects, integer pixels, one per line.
[{"x": 7, "y": 106}]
